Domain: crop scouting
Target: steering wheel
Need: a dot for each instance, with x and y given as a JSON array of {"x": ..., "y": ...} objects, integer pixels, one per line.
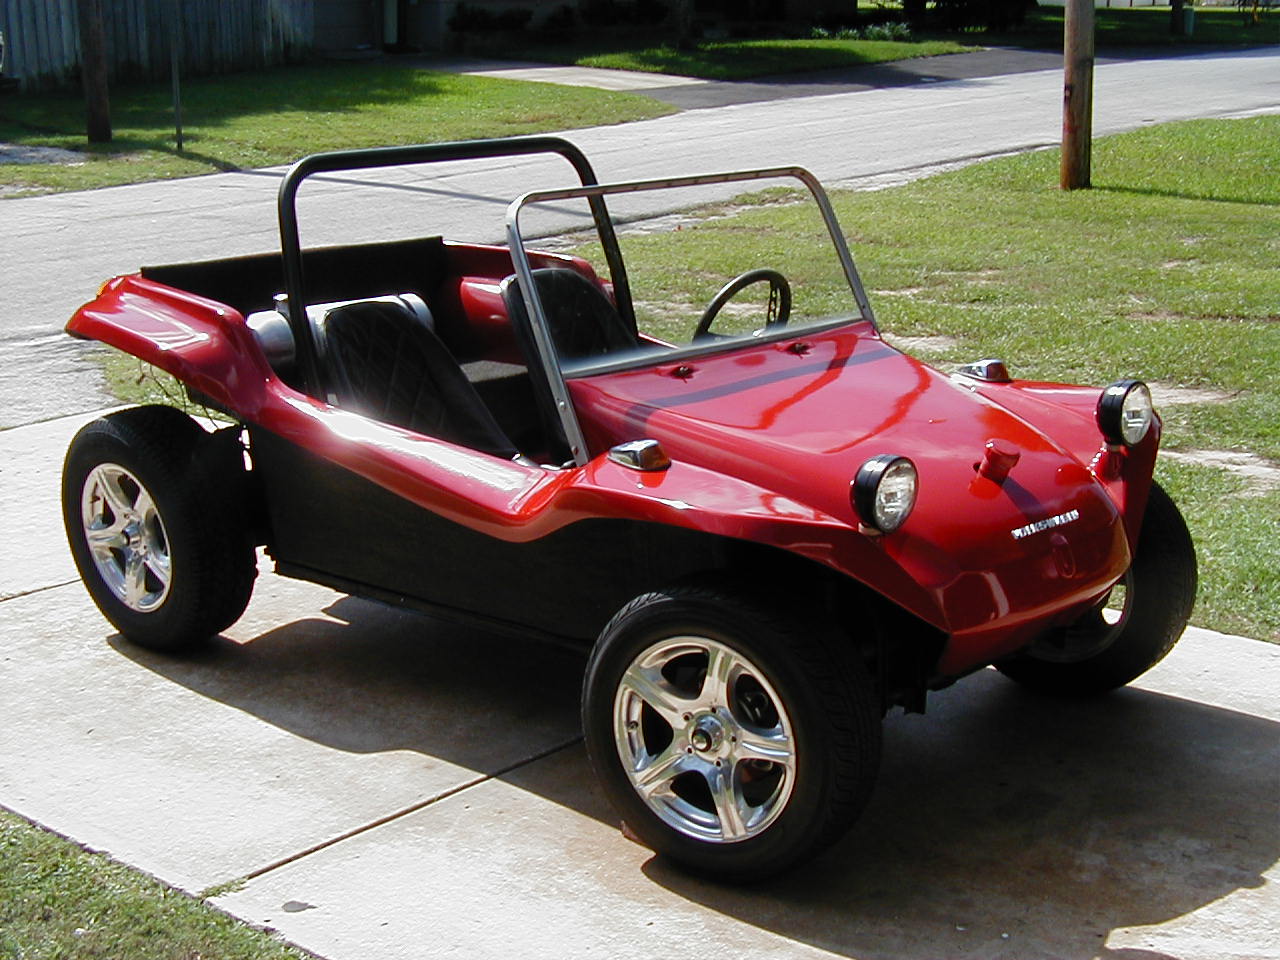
[{"x": 776, "y": 314}]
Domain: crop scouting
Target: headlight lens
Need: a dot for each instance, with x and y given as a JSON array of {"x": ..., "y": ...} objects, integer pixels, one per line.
[
  {"x": 1125, "y": 412},
  {"x": 884, "y": 491}
]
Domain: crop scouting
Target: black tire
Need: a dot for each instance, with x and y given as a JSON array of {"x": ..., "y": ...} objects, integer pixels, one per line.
[
  {"x": 178, "y": 523},
  {"x": 794, "y": 686},
  {"x": 1103, "y": 651}
]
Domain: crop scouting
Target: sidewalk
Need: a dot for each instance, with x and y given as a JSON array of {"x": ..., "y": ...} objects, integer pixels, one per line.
[{"x": 394, "y": 787}]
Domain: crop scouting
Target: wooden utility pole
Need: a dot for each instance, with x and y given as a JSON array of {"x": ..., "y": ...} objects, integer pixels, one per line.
[
  {"x": 93, "y": 70},
  {"x": 1077, "y": 95}
]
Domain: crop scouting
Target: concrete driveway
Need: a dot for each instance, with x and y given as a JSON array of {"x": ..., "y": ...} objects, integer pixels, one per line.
[{"x": 386, "y": 785}]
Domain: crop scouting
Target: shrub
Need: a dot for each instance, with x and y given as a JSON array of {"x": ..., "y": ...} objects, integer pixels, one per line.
[{"x": 875, "y": 31}]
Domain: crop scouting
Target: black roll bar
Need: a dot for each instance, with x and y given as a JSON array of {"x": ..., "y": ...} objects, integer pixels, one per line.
[{"x": 291, "y": 247}]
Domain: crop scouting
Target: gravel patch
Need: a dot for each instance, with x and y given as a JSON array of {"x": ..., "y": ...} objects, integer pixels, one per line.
[
  {"x": 17, "y": 153},
  {"x": 1164, "y": 395},
  {"x": 1260, "y": 476}
]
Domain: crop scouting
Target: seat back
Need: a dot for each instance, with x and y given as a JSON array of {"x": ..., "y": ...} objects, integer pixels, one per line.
[
  {"x": 380, "y": 360},
  {"x": 583, "y": 322}
]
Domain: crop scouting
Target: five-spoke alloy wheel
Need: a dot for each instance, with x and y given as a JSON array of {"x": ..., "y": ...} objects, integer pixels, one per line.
[
  {"x": 126, "y": 537},
  {"x": 731, "y": 738},
  {"x": 705, "y": 739},
  {"x": 155, "y": 517}
]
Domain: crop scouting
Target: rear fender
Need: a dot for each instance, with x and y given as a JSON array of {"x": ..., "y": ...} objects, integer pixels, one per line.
[{"x": 202, "y": 343}]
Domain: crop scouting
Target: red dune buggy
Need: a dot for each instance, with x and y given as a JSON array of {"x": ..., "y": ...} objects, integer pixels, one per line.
[{"x": 668, "y": 430}]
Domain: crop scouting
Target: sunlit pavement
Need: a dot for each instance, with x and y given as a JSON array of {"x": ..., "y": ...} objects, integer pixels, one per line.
[{"x": 394, "y": 786}]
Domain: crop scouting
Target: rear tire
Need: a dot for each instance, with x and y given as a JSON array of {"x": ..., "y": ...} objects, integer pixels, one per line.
[
  {"x": 730, "y": 738},
  {"x": 1107, "y": 648},
  {"x": 156, "y": 520}
]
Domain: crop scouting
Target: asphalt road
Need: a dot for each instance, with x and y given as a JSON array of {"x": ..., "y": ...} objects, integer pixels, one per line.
[{"x": 58, "y": 249}]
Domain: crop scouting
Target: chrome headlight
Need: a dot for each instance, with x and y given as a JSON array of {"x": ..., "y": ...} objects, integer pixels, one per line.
[
  {"x": 1125, "y": 412},
  {"x": 884, "y": 491}
]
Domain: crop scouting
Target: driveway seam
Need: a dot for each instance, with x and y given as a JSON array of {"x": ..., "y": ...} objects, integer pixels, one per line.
[
  {"x": 413, "y": 808},
  {"x": 34, "y": 590}
]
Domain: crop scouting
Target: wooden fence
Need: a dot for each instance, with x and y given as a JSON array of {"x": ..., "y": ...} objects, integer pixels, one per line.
[{"x": 42, "y": 37}]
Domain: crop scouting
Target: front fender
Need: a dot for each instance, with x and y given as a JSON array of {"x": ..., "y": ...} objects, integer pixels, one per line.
[{"x": 1066, "y": 413}]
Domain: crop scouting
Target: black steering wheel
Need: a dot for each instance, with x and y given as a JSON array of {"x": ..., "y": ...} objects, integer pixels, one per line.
[{"x": 776, "y": 314}]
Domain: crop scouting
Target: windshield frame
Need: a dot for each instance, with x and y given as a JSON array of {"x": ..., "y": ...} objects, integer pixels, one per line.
[{"x": 594, "y": 194}]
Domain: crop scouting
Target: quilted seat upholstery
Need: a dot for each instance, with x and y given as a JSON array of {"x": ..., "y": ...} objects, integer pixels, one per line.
[{"x": 383, "y": 362}]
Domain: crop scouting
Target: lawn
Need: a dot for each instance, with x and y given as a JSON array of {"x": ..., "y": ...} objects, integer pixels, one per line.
[
  {"x": 742, "y": 59},
  {"x": 1147, "y": 27},
  {"x": 747, "y": 58},
  {"x": 257, "y": 119},
  {"x": 59, "y": 903}
]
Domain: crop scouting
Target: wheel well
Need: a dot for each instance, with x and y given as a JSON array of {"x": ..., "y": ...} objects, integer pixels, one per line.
[{"x": 898, "y": 649}]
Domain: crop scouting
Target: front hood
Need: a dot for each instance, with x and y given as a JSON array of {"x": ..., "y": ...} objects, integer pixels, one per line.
[{"x": 800, "y": 417}]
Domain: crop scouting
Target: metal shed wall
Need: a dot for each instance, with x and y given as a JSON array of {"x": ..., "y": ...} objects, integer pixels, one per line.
[{"x": 42, "y": 37}]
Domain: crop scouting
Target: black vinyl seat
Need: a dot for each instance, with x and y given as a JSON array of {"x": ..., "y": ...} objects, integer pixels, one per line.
[
  {"x": 381, "y": 361},
  {"x": 584, "y": 323},
  {"x": 583, "y": 320}
]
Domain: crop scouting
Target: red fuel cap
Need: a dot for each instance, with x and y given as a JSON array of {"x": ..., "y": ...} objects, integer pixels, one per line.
[{"x": 997, "y": 461}]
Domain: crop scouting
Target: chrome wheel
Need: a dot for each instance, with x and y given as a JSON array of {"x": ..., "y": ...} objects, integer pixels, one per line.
[
  {"x": 126, "y": 537},
  {"x": 156, "y": 512},
  {"x": 704, "y": 739}
]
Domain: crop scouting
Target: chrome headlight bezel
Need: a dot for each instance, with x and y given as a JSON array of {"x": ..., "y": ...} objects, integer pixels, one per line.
[
  {"x": 884, "y": 491},
  {"x": 1125, "y": 412}
]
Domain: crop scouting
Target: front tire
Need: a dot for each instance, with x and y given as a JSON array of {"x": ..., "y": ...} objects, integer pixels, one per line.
[
  {"x": 154, "y": 513},
  {"x": 1122, "y": 639},
  {"x": 731, "y": 739}
]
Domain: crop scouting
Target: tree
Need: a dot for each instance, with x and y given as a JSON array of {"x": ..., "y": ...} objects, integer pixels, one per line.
[
  {"x": 685, "y": 30},
  {"x": 93, "y": 70}
]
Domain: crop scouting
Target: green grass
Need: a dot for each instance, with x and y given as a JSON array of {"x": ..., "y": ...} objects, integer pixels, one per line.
[
  {"x": 1237, "y": 533},
  {"x": 1144, "y": 27},
  {"x": 247, "y": 120},
  {"x": 742, "y": 59},
  {"x": 58, "y": 902},
  {"x": 1166, "y": 269}
]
